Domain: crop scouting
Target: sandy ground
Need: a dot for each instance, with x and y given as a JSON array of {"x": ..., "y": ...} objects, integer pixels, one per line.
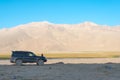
[{"x": 63, "y": 69}]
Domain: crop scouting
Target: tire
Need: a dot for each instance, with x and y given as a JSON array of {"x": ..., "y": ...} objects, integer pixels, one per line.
[
  {"x": 18, "y": 62},
  {"x": 40, "y": 62}
]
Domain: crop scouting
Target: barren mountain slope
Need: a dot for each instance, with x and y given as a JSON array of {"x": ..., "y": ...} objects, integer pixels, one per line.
[{"x": 45, "y": 36}]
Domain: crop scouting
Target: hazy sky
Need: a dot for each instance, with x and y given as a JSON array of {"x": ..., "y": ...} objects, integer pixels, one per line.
[{"x": 16, "y": 12}]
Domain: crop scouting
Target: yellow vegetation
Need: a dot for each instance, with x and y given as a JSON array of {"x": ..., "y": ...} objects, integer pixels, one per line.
[
  {"x": 75, "y": 55},
  {"x": 84, "y": 55}
]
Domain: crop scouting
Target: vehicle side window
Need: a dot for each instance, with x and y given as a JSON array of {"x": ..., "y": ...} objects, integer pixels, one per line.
[
  {"x": 26, "y": 54},
  {"x": 17, "y": 54}
]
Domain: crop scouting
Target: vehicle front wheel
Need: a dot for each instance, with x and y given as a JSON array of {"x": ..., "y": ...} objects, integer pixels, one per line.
[
  {"x": 18, "y": 62},
  {"x": 40, "y": 62}
]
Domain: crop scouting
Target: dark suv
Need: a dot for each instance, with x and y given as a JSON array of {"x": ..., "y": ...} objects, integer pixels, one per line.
[{"x": 20, "y": 57}]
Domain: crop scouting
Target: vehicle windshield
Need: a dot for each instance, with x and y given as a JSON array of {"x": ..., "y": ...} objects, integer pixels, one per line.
[{"x": 31, "y": 54}]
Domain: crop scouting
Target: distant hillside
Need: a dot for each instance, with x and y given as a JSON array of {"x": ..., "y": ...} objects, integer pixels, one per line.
[{"x": 49, "y": 37}]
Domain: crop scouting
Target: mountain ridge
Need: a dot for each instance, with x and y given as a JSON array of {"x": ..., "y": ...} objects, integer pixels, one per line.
[{"x": 50, "y": 37}]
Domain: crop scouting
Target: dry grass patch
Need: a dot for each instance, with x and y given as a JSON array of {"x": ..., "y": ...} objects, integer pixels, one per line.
[
  {"x": 5, "y": 56},
  {"x": 84, "y": 55},
  {"x": 74, "y": 55}
]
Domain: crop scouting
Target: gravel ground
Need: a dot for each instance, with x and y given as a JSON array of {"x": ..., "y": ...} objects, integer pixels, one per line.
[{"x": 63, "y": 69}]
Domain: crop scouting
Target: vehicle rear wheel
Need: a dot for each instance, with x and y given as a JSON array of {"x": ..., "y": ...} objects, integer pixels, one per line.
[
  {"x": 18, "y": 62},
  {"x": 40, "y": 62}
]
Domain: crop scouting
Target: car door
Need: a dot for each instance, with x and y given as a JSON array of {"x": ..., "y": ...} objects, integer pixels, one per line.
[
  {"x": 31, "y": 57},
  {"x": 25, "y": 57}
]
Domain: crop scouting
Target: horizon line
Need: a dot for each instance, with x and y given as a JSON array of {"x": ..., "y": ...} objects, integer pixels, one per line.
[{"x": 50, "y": 22}]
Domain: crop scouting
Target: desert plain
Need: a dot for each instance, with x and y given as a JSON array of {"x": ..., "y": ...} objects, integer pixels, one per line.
[{"x": 63, "y": 69}]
